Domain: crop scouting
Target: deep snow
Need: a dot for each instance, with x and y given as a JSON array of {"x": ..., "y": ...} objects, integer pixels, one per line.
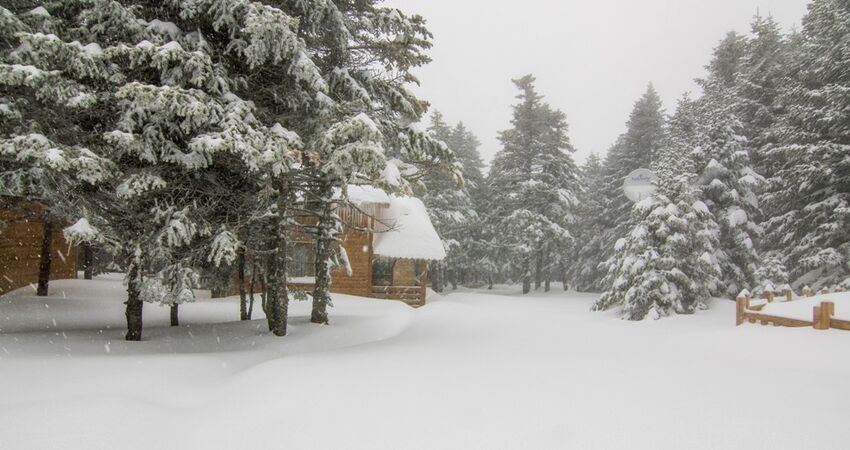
[{"x": 488, "y": 370}]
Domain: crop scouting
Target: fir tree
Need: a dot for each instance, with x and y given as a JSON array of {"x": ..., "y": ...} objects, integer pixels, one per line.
[
  {"x": 809, "y": 199},
  {"x": 584, "y": 269},
  {"x": 534, "y": 184},
  {"x": 666, "y": 262},
  {"x": 637, "y": 148},
  {"x": 728, "y": 186}
]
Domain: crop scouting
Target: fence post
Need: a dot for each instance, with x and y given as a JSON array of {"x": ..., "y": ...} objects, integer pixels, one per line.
[
  {"x": 822, "y": 315},
  {"x": 742, "y": 303},
  {"x": 789, "y": 294},
  {"x": 767, "y": 293}
]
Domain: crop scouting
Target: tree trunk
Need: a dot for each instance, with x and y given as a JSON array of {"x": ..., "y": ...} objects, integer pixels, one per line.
[
  {"x": 175, "y": 315},
  {"x": 546, "y": 285},
  {"x": 325, "y": 237},
  {"x": 251, "y": 291},
  {"x": 240, "y": 270},
  {"x": 45, "y": 258},
  {"x": 278, "y": 290},
  {"x": 538, "y": 271},
  {"x": 566, "y": 282},
  {"x": 271, "y": 261},
  {"x": 88, "y": 260},
  {"x": 526, "y": 276},
  {"x": 436, "y": 279},
  {"x": 452, "y": 278},
  {"x": 134, "y": 303},
  {"x": 490, "y": 282}
]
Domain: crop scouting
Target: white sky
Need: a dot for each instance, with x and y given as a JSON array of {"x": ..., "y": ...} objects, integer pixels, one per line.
[{"x": 592, "y": 58}]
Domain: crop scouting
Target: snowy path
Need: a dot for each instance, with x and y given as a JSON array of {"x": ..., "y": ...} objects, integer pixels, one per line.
[{"x": 468, "y": 371}]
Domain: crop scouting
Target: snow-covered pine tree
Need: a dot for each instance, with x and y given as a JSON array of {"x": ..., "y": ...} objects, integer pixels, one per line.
[
  {"x": 809, "y": 200},
  {"x": 637, "y": 148},
  {"x": 584, "y": 270},
  {"x": 450, "y": 205},
  {"x": 359, "y": 121},
  {"x": 534, "y": 183},
  {"x": 728, "y": 186},
  {"x": 727, "y": 59},
  {"x": 761, "y": 71},
  {"x": 665, "y": 264},
  {"x": 147, "y": 97}
]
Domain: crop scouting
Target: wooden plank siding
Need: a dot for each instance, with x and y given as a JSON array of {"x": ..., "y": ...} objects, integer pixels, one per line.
[
  {"x": 358, "y": 245},
  {"x": 20, "y": 249}
]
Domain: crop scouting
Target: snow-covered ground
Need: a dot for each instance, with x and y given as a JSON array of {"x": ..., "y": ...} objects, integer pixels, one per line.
[
  {"x": 802, "y": 308},
  {"x": 471, "y": 370}
]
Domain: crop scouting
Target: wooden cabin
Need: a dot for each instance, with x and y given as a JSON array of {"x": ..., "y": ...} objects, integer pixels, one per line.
[
  {"x": 21, "y": 235},
  {"x": 389, "y": 241}
]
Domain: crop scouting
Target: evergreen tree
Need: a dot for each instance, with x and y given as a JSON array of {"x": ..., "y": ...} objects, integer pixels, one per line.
[
  {"x": 637, "y": 148},
  {"x": 809, "y": 198},
  {"x": 584, "y": 269},
  {"x": 533, "y": 182},
  {"x": 450, "y": 204},
  {"x": 666, "y": 262},
  {"x": 726, "y": 62},
  {"x": 757, "y": 84},
  {"x": 728, "y": 186}
]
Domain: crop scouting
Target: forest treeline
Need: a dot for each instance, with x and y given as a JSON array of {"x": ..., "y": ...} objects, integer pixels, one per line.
[{"x": 752, "y": 194}]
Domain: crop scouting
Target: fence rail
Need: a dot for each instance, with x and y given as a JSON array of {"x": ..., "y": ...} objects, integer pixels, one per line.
[{"x": 749, "y": 310}]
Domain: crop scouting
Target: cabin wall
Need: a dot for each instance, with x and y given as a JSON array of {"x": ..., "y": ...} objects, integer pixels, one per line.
[{"x": 20, "y": 249}]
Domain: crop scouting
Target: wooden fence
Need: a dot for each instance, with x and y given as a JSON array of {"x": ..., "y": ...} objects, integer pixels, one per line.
[{"x": 749, "y": 310}]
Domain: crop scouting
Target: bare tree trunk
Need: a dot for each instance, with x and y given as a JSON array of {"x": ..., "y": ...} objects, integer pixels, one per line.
[
  {"x": 490, "y": 282},
  {"x": 240, "y": 271},
  {"x": 547, "y": 274},
  {"x": 45, "y": 258},
  {"x": 547, "y": 283},
  {"x": 134, "y": 303},
  {"x": 88, "y": 260},
  {"x": 452, "y": 278},
  {"x": 175, "y": 315}
]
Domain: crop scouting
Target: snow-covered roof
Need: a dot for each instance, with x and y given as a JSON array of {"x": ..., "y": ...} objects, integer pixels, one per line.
[
  {"x": 405, "y": 231},
  {"x": 364, "y": 195}
]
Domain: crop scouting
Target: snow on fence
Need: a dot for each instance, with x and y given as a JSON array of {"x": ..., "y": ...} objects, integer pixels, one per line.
[{"x": 823, "y": 314}]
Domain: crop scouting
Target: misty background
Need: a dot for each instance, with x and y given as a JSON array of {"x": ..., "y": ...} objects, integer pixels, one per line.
[{"x": 592, "y": 59}]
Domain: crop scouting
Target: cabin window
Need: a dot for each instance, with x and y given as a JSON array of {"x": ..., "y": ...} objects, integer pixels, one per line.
[
  {"x": 382, "y": 272},
  {"x": 302, "y": 261}
]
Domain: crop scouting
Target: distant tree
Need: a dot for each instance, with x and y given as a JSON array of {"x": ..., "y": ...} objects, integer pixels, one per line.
[
  {"x": 533, "y": 183},
  {"x": 450, "y": 204},
  {"x": 583, "y": 269}
]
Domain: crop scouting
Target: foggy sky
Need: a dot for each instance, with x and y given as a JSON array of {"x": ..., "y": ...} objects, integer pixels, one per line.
[{"x": 592, "y": 58}]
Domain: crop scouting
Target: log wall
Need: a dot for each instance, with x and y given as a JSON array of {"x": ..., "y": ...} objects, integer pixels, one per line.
[{"x": 20, "y": 249}]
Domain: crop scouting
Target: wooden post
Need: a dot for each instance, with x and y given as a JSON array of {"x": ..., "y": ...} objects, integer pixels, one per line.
[
  {"x": 788, "y": 292},
  {"x": 767, "y": 293},
  {"x": 742, "y": 303},
  {"x": 822, "y": 315}
]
